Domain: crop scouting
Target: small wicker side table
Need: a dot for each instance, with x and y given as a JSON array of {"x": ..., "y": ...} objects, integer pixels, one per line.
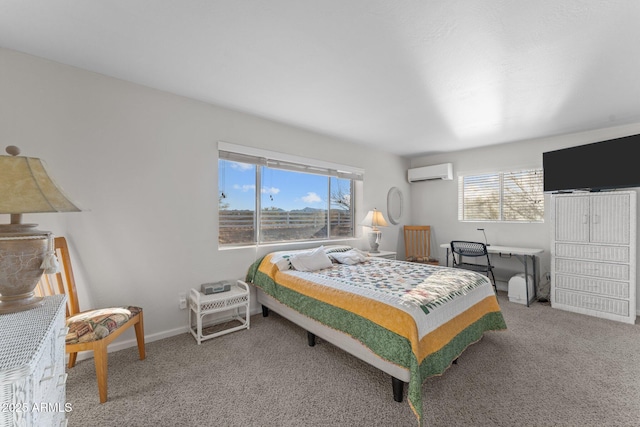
[{"x": 232, "y": 301}]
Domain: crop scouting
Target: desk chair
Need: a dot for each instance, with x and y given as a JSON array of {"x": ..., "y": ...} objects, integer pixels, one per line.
[
  {"x": 92, "y": 329},
  {"x": 417, "y": 244},
  {"x": 477, "y": 250}
]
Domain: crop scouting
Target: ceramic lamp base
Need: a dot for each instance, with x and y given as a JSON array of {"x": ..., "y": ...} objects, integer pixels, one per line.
[
  {"x": 22, "y": 250},
  {"x": 19, "y": 303},
  {"x": 374, "y": 241}
]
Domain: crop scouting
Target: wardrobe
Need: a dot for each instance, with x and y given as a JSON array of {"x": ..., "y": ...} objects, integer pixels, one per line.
[{"x": 593, "y": 254}]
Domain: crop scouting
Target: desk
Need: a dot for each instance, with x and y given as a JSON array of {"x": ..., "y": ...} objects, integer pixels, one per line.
[{"x": 521, "y": 254}]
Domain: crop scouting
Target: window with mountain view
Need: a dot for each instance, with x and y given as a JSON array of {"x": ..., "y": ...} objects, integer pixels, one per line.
[{"x": 291, "y": 205}]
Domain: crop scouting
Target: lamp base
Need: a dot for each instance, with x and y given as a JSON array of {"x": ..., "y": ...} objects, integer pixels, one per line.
[
  {"x": 374, "y": 238},
  {"x": 19, "y": 303},
  {"x": 22, "y": 250}
]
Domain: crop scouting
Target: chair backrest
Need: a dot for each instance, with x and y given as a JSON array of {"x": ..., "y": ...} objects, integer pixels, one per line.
[
  {"x": 417, "y": 242},
  {"x": 468, "y": 249},
  {"x": 61, "y": 282}
]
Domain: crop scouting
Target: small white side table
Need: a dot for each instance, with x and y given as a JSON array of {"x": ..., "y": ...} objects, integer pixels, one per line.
[
  {"x": 383, "y": 254},
  {"x": 233, "y": 301}
]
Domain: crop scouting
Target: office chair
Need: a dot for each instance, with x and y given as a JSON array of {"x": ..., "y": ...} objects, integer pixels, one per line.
[{"x": 477, "y": 250}]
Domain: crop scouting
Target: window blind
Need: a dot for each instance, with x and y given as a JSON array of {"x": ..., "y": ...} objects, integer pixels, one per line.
[
  {"x": 501, "y": 196},
  {"x": 523, "y": 198},
  {"x": 242, "y": 154}
]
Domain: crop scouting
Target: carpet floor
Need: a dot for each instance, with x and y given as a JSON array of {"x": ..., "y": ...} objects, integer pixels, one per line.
[{"x": 549, "y": 368}]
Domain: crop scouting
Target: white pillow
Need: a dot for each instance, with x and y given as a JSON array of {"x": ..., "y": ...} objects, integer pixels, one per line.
[
  {"x": 310, "y": 261},
  {"x": 336, "y": 248},
  {"x": 282, "y": 261},
  {"x": 354, "y": 256}
]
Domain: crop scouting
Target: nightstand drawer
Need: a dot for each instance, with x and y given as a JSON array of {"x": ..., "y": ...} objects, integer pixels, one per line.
[{"x": 383, "y": 254}]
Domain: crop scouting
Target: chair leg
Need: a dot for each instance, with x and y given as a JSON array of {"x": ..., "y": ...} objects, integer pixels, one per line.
[
  {"x": 139, "y": 327},
  {"x": 72, "y": 360},
  {"x": 100, "y": 359}
]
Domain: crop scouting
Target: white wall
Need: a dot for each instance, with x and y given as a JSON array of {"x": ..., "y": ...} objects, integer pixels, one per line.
[
  {"x": 144, "y": 165},
  {"x": 435, "y": 202}
]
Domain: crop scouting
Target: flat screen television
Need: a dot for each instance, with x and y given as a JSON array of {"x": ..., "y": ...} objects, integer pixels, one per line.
[{"x": 599, "y": 166}]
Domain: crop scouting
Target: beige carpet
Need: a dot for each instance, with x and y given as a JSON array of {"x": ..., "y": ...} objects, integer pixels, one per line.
[{"x": 550, "y": 368}]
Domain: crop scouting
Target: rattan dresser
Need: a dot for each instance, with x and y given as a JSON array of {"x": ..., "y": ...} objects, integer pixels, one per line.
[
  {"x": 593, "y": 254},
  {"x": 32, "y": 372}
]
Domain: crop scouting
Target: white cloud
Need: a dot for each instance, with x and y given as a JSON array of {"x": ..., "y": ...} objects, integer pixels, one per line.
[
  {"x": 271, "y": 190},
  {"x": 245, "y": 187},
  {"x": 311, "y": 198},
  {"x": 241, "y": 166}
]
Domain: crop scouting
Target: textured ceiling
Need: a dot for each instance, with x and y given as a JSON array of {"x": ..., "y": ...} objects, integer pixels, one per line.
[{"x": 410, "y": 77}]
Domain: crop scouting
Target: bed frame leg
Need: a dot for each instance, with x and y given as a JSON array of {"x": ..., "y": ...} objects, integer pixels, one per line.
[
  {"x": 311, "y": 338},
  {"x": 398, "y": 389},
  {"x": 265, "y": 311}
]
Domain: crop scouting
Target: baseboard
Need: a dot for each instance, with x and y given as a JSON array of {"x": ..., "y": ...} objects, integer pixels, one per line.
[{"x": 121, "y": 345}]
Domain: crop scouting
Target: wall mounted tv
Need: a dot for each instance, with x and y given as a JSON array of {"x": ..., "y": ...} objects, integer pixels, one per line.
[{"x": 599, "y": 166}]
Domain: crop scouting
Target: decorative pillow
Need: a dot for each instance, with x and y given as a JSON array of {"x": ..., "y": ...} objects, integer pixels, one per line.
[
  {"x": 310, "y": 261},
  {"x": 336, "y": 248},
  {"x": 353, "y": 256},
  {"x": 282, "y": 261}
]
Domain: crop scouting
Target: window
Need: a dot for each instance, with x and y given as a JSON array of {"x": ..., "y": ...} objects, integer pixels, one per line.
[
  {"x": 501, "y": 196},
  {"x": 296, "y": 201}
]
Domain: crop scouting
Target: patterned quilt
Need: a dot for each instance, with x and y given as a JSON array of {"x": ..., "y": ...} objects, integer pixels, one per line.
[{"x": 418, "y": 316}]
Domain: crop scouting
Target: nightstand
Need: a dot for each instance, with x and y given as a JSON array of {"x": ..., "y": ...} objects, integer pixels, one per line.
[
  {"x": 32, "y": 368},
  {"x": 232, "y": 301},
  {"x": 383, "y": 254}
]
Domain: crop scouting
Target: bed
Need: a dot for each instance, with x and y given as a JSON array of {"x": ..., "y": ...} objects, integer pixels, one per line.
[{"x": 409, "y": 320}]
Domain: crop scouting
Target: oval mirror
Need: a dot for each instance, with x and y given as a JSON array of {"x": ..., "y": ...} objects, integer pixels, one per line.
[{"x": 394, "y": 205}]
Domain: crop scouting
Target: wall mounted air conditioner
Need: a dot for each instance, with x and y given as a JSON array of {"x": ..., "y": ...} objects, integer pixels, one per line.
[{"x": 443, "y": 171}]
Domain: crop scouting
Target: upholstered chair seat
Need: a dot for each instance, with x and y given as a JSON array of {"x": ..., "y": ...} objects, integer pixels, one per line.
[{"x": 94, "y": 325}]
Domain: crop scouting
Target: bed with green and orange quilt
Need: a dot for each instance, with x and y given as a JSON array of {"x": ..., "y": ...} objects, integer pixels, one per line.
[{"x": 410, "y": 320}]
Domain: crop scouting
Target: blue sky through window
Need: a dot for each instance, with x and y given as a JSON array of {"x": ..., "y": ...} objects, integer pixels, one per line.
[
  {"x": 281, "y": 189},
  {"x": 288, "y": 190}
]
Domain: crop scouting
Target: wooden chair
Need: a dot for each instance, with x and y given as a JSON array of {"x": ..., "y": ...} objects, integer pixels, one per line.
[
  {"x": 92, "y": 329},
  {"x": 417, "y": 244},
  {"x": 478, "y": 251}
]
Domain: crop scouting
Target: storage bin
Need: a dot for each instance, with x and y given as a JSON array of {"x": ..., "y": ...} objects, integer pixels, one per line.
[{"x": 517, "y": 290}]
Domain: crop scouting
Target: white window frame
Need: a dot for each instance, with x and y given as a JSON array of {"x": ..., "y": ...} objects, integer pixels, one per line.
[
  {"x": 260, "y": 157},
  {"x": 535, "y": 174}
]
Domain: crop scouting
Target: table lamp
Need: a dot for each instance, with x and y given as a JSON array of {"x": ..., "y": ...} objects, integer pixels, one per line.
[
  {"x": 374, "y": 219},
  {"x": 25, "y": 252}
]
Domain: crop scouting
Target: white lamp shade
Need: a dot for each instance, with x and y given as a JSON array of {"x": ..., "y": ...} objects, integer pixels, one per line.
[
  {"x": 25, "y": 187},
  {"x": 374, "y": 219}
]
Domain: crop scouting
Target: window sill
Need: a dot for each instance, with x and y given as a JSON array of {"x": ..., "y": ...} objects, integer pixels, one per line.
[{"x": 303, "y": 244}]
